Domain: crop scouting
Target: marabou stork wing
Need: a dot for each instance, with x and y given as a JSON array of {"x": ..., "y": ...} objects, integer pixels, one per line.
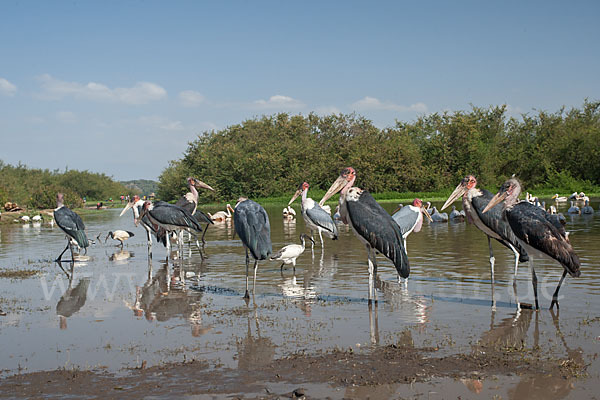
[
  {"x": 186, "y": 204},
  {"x": 493, "y": 220},
  {"x": 169, "y": 214},
  {"x": 253, "y": 228},
  {"x": 530, "y": 224},
  {"x": 320, "y": 218},
  {"x": 202, "y": 217},
  {"x": 379, "y": 229},
  {"x": 406, "y": 219},
  {"x": 72, "y": 224}
]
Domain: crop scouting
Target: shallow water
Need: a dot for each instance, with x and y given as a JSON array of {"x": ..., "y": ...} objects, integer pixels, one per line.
[{"x": 121, "y": 308}]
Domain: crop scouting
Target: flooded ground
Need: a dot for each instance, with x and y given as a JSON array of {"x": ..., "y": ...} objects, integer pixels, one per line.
[{"x": 130, "y": 324}]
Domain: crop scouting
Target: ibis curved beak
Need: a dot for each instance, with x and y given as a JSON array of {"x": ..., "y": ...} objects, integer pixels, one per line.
[
  {"x": 458, "y": 192},
  {"x": 498, "y": 198},
  {"x": 295, "y": 196},
  {"x": 335, "y": 187},
  {"x": 127, "y": 207},
  {"x": 201, "y": 185},
  {"x": 425, "y": 213}
]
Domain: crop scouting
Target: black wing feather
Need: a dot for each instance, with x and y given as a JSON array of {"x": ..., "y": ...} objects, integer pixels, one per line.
[
  {"x": 173, "y": 215},
  {"x": 531, "y": 225},
  {"x": 72, "y": 225},
  {"x": 406, "y": 218},
  {"x": 253, "y": 228},
  {"x": 379, "y": 229},
  {"x": 320, "y": 218}
]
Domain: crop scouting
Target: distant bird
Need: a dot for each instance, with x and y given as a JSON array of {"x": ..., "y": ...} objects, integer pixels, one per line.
[
  {"x": 36, "y": 218},
  {"x": 119, "y": 235},
  {"x": 373, "y": 226},
  {"x": 172, "y": 218},
  {"x": 288, "y": 254},
  {"x": 71, "y": 224},
  {"x": 315, "y": 217},
  {"x": 222, "y": 216},
  {"x": 25, "y": 218},
  {"x": 410, "y": 218},
  {"x": 254, "y": 230},
  {"x": 582, "y": 197},
  {"x": 536, "y": 234},
  {"x": 289, "y": 213},
  {"x": 456, "y": 215},
  {"x": 428, "y": 208},
  {"x": 491, "y": 223},
  {"x": 573, "y": 209},
  {"x": 587, "y": 209},
  {"x": 437, "y": 216},
  {"x": 559, "y": 199},
  {"x": 337, "y": 217},
  {"x": 574, "y": 196},
  {"x": 189, "y": 202},
  {"x": 136, "y": 204}
]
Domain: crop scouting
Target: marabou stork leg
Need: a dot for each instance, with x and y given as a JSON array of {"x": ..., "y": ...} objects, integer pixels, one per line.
[
  {"x": 401, "y": 280},
  {"x": 373, "y": 324},
  {"x": 204, "y": 233},
  {"x": 555, "y": 295},
  {"x": 321, "y": 236},
  {"x": 254, "y": 280},
  {"x": 492, "y": 258},
  {"x": 372, "y": 272},
  {"x": 534, "y": 282},
  {"x": 149, "y": 243},
  {"x": 63, "y": 252},
  {"x": 247, "y": 295},
  {"x": 516, "y": 264},
  {"x": 281, "y": 268}
]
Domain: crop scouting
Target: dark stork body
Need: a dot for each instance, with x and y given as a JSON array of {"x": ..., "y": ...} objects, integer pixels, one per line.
[
  {"x": 410, "y": 218},
  {"x": 136, "y": 205},
  {"x": 171, "y": 218},
  {"x": 252, "y": 227},
  {"x": 491, "y": 223},
  {"x": 189, "y": 202},
  {"x": 71, "y": 224},
  {"x": 315, "y": 217},
  {"x": 373, "y": 226},
  {"x": 537, "y": 233}
]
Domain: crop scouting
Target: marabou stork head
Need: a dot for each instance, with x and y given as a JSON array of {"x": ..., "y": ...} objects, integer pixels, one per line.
[
  {"x": 198, "y": 184},
  {"x": 509, "y": 192},
  {"x": 145, "y": 209},
  {"x": 60, "y": 199},
  {"x": 468, "y": 183},
  {"x": 343, "y": 183},
  {"x": 303, "y": 186},
  {"x": 419, "y": 204}
]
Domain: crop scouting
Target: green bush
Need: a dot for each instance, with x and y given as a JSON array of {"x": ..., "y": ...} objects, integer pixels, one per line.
[{"x": 46, "y": 198}]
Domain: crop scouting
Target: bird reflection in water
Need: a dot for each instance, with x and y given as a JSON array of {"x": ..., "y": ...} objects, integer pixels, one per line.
[
  {"x": 415, "y": 309},
  {"x": 120, "y": 256},
  {"x": 72, "y": 300},
  {"x": 254, "y": 351}
]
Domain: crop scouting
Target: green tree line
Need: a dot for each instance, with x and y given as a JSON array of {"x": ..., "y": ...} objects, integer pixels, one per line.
[
  {"x": 272, "y": 155},
  {"x": 37, "y": 188}
]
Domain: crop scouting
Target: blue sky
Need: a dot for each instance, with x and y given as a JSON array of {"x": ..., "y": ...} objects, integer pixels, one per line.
[{"x": 121, "y": 87}]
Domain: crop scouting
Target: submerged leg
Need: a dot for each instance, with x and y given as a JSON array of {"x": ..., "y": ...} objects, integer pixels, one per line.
[
  {"x": 372, "y": 272},
  {"x": 247, "y": 295},
  {"x": 555, "y": 295},
  {"x": 254, "y": 280},
  {"x": 321, "y": 236},
  {"x": 492, "y": 258},
  {"x": 204, "y": 233},
  {"x": 63, "y": 252},
  {"x": 534, "y": 282}
]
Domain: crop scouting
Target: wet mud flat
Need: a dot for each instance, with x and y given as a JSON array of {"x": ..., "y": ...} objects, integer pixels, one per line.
[{"x": 325, "y": 375}]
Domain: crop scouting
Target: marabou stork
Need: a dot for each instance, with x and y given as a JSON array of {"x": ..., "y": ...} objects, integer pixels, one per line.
[
  {"x": 410, "y": 218},
  {"x": 119, "y": 235},
  {"x": 373, "y": 226},
  {"x": 222, "y": 216},
  {"x": 289, "y": 253},
  {"x": 189, "y": 202},
  {"x": 170, "y": 217},
  {"x": 587, "y": 209},
  {"x": 136, "y": 204},
  {"x": 252, "y": 227},
  {"x": 491, "y": 223},
  {"x": 536, "y": 233},
  {"x": 573, "y": 209},
  {"x": 315, "y": 217},
  {"x": 71, "y": 224}
]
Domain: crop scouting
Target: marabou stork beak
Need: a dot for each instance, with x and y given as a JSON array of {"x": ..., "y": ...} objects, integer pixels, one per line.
[
  {"x": 336, "y": 186},
  {"x": 498, "y": 198},
  {"x": 295, "y": 196},
  {"x": 139, "y": 218},
  {"x": 201, "y": 185},
  {"x": 425, "y": 213},
  {"x": 458, "y": 192},
  {"x": 127, "y": 207}
]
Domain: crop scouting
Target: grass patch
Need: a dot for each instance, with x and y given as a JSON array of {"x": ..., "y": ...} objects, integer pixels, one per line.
[{"x": 18, "y": 273}]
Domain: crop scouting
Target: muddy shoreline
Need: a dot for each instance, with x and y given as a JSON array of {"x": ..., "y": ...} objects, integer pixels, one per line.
[{"x": 372, "y": 368}]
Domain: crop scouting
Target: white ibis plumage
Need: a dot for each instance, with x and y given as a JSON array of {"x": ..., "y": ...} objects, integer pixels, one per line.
[
  {"x": 71, "y": 224},
  {"x": 119, "y": 235},
  {"x": 536, "y": 233},
  {"x": 315, "y": 217},
  {"x": 288, "y": 254},
  {"x": 373, "y": 226},
  {"x": 491, "y": 223},
  {"x": 254, "y": 230}
]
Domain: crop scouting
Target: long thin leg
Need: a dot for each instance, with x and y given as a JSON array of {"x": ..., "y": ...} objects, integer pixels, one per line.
[
  {"x": 516, "y": 253},
  {"x": 321, "y": 236},
  {"x": 204, "y": 233},
  {"x": 63, "y": 252},
  {"x": 534, "y": 282},
  {"x": 371, "y": 274},
  {"x": 492, "y": 258},
  {"x": 254, "y": 280},
  {"x": 555, "y": 295},
  {"x": 247, "y": 295}
]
